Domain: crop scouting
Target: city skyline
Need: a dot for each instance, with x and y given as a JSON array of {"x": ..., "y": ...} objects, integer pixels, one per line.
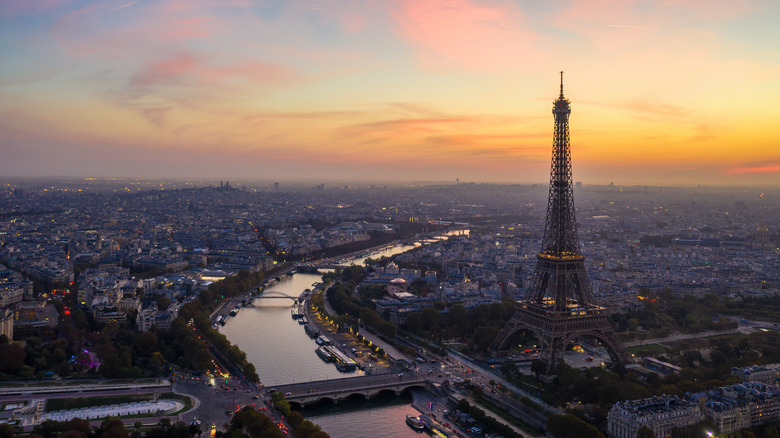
[{"x": 663, "y": 93}]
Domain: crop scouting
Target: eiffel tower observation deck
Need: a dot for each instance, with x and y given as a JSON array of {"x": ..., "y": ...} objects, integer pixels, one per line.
[{"x": 559, "y": 307}]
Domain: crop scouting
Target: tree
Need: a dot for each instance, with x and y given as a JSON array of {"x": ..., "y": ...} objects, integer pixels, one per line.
[
  {"x": 280, "y": 403},
  {"x": 11, "y": 357},
  {"x": 6, "y": 430},
  {"x": 645, "y": 432},
  {"x": 163, "y": 302},
  {"x": 483, "y": 337},
  {"x": 254, "y": 424},
  {"x": 569, "y": 426},
  {"x": 509, "y": 369},
  {"x": 538, "y": 367},
  {"x": 78, "y": 425},
  {"x": 48, "y": 429},
  {"x": 113, "y": 428}
]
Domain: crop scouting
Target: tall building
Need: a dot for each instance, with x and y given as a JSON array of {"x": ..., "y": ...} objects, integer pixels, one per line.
[
  {"x": 762, "y": 237},
  {"x": 558, "y": 307},
  {"x": 7, "y": 322}
]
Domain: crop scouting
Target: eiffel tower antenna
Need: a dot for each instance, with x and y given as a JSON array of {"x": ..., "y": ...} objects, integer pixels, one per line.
[
  {"x": 559, "y": 307},
  {"x": 561, "y": 96}
]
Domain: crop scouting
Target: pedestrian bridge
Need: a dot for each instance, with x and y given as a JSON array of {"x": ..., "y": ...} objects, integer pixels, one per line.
[{"x": 338, "y": 389}]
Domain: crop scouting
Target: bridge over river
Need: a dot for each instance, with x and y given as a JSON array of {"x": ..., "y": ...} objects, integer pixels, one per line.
[{"x": 338, "y": 389}]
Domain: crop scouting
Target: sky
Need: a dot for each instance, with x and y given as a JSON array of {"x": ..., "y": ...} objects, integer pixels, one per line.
[{"x": 667, "y": 92}]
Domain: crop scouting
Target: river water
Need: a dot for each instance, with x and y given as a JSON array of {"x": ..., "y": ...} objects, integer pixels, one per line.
[{"x": 282, "y": 353}]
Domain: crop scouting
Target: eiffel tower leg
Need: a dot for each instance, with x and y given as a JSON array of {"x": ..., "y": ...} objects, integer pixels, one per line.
[
  {"x": 615, "y": 348},
  {"x": 551, "y": 352},
  {"x": 498, "y": 346}
]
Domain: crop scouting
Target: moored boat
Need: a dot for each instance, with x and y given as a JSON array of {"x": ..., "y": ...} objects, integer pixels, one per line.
[
  {"x": 415, "y": 423},
  {"x": 325, "y": 354}
]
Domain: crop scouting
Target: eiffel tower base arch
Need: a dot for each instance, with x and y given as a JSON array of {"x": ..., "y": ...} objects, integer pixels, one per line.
[{"x": 555, "y": 330}]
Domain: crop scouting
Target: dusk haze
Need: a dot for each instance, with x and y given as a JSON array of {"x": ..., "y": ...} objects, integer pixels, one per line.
[
  {"x": 384, "y": 218},
  {"x": 663, "y": 92}
]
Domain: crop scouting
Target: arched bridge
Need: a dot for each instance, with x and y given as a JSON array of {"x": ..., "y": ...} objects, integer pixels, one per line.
[
  {"x": 322, "y": 265},
  {"x": 339, "y": 389},
  {"x": 275, "y": 294}
]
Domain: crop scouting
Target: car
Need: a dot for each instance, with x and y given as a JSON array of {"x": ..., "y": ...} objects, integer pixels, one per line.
[
  {"x": 255, "y": 397},
  {"x": 288, "y": 393}
]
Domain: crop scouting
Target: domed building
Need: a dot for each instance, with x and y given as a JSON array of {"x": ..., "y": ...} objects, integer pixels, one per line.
[{"x": 396, "y": 286}]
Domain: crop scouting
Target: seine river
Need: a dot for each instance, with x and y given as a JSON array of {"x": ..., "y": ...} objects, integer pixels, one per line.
[{"x": 282, "y": 353}]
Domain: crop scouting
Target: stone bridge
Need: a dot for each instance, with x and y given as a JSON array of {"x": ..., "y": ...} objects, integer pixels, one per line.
[{"x": 339, "y": 389}]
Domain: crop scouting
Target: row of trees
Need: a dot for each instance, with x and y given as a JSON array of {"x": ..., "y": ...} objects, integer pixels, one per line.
[
  {"x": 301, "y": 427},
  {"x": 490, "y": 422},
  {"x": 665, "y": 313},
  {"x": 478, "y": 327},
  {"x": 351, "y": 310}
]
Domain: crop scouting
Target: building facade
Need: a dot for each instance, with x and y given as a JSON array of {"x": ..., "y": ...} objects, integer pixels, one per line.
[{"x": 660, "y": 413}]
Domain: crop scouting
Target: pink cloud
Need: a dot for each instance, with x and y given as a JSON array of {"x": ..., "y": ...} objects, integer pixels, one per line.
[
  {"x": 202, "y": 72},
  {"x": 478, "y": 36},
  {"x": 196, "y": 82},
  {"x": 760, "y": 168},
  {"x": 165, "y": 70}
]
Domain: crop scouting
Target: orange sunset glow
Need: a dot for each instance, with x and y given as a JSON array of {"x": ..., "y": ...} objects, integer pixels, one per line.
[{"x": 662, "y": 92}]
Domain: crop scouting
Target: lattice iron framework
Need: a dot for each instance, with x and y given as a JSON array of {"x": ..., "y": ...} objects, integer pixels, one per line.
[{"x": 559, "y": 305}]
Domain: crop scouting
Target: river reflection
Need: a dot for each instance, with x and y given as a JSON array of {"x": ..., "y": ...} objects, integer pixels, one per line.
[{"x": 276, "y": 344}]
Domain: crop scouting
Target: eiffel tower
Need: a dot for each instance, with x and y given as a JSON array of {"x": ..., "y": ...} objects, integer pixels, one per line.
[{"x": 559, "y": 307}]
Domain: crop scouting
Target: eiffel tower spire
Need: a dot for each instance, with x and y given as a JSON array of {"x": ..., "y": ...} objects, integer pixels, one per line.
[{"x": 559, "y": 307}]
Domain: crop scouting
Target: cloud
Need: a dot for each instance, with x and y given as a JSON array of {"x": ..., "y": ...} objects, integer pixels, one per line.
[
  {"x": 156, "y": 116},
  {"x": 764, "y": 167},
  {"x": 480, "y": 36},
  {"x": 173, "y": 69},
  {"x": 410, "y": 125},
  {"x": 656, "y": 109},
  {"x": 198, "y": 83}
]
